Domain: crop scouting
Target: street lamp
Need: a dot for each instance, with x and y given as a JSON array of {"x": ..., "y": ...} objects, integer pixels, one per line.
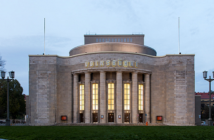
[
  {"x": 209, "y": 80},
  {"x": 12, "y": 75}
]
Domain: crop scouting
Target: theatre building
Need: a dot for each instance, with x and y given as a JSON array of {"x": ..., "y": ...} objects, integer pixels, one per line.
[{"x": 112, "y": 79}]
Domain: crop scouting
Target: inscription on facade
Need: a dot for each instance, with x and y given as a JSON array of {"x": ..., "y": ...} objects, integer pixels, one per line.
[{"x": 111, "y": 63}]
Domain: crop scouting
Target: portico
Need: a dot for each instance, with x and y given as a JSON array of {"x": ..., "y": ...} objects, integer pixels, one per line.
[{"x": 119, "y": 94}]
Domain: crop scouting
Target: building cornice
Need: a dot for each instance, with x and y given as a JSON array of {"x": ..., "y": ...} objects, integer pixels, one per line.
[
  {"x": 109, "y": 69},
  {"x": 103, "y": 52}
]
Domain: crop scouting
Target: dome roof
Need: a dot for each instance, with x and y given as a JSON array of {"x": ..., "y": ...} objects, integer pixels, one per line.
[{"x": 113, "y": 46}]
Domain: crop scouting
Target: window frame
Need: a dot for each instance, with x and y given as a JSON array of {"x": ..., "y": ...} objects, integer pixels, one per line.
[
  {"x": 83, "y": 97},
  {"x": 141, "y": 96},
  {"x": 113, "y": 89},
  {"x": 129, "y": 96},
  {"x": 92, "y": 107}
]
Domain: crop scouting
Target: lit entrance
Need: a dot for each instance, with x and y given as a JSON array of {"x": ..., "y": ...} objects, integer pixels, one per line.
[
  {"x": 110, "y": 117},
  {"x": 140, "y": 118},
  {"x": 95, "y": 117},
  {"x": 81, "y": 117},
  {"x": 127, "y": 117}
]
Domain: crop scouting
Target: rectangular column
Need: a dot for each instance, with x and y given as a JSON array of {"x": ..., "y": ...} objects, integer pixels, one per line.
[
  {"x": 103, "y": 96},
  {"x": 75, "y": 99},
  {"x": 134, "y": 98},
  {"x": 87, "y": 98},
  {"x": 119, "y": 97},
  {"x": 147, "y": 98}
]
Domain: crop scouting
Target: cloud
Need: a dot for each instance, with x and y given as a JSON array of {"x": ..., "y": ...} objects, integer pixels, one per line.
[{"x": 22, "y": 28}]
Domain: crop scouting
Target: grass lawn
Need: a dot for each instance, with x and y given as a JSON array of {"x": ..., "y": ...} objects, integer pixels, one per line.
[{"x": 107, "y": 132}]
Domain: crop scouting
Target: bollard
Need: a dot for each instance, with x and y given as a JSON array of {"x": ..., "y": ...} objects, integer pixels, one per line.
[{"x": 146, "y": 123}]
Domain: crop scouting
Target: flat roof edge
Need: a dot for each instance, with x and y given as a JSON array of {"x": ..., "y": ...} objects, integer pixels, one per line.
[
  {"x": 111, "y": 52},
  {"x": 178, "y": 54},
  {"x": 38, "y": 55},
  {"x": 93, "y": 35}
]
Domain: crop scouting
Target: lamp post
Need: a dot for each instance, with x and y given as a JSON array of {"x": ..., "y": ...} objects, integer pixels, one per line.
[
  {"x": 12, "y": 75},
  {"x": 209, "y": 80}
]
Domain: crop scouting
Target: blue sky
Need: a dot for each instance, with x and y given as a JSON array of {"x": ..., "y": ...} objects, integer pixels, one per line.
[{"x": 22, "y": 29}]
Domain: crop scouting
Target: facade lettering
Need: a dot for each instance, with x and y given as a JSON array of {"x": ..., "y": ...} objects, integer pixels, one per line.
[{"x": 111, "y": 63}]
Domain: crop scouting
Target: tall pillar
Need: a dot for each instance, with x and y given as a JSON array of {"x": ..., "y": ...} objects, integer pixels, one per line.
[
  {"x": 147, "y": 98},
  {"x": 134, "y": 98},
  {"x": 103, "y": 96},
  {"x": 119, "y": 97},
  {"x": 87, "y": 98},
  {"x": 75, "y": 99}
]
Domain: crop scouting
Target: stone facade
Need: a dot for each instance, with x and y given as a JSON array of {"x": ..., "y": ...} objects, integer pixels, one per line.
[{"x": 168, "y": 81}]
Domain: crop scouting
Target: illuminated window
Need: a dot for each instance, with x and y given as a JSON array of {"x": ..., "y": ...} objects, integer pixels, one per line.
[
  {"x": 110, "y": 96},
  {"x": 140, "y": 97},
  {"x": 81, "y": 97},
  {"x": 95, "y": 96},
  {"x": 126, "y": 96}
]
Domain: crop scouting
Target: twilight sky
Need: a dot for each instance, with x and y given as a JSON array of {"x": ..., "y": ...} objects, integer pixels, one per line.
[{"x": 22, "y": 29}]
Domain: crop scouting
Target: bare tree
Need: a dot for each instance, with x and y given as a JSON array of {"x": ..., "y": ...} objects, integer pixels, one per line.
[{"x": 2, "y": 63}]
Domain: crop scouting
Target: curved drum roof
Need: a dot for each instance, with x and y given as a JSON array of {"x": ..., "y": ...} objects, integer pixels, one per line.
[{"x": 113, "y": 46}]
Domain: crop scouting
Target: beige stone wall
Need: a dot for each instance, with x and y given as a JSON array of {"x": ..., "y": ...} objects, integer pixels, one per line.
[
  {"x": 148, "y": 99},
  {"x": 134, "y": 98},
  {"x": 119, "y": 97},
  {"x": 103, "y": 96},
  {"x": 87, "y": 98},
  {"x": 75, "y": 99},
  {"x": 171, "y": 86},
  {"x": 42, "y": 90}
]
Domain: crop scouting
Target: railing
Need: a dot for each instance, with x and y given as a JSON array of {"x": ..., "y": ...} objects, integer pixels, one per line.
[{"x": 13, "y": 122}]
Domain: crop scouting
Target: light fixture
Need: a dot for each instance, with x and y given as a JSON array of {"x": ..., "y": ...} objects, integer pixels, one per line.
[
  {"x": 12, "y": 74},
  {"x": 205, "y": 74},
  {"x": 2, "y": 74},
  {"x": 210, "y": 123}
]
